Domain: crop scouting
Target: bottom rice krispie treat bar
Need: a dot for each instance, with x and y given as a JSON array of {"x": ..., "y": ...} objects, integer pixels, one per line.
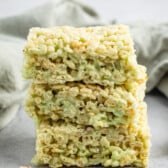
[
  {"x": 84, "y": 104},
  {"x": 65, "y": 144}
]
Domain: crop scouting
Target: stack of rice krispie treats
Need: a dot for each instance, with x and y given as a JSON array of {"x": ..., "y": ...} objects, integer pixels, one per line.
[{"x": 86, "y": 97}]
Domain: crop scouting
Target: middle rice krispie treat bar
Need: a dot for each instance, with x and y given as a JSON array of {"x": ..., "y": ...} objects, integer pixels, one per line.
[
  {"x": 84, "y": 104},
  {"x": 94, "y": 55},
  {"x": 61, "y": 144}
]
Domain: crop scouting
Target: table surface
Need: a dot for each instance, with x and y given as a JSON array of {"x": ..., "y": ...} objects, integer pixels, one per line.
[{"x": 17, "y": 139}]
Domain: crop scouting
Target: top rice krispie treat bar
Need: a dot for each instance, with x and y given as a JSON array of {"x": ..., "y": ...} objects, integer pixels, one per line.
[{"x": 93, "y": 55}]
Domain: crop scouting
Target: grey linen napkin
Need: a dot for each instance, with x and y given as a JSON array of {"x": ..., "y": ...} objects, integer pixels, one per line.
[
  {"x": 12, "y": 87},
  {"x": 151, "y": 42}
]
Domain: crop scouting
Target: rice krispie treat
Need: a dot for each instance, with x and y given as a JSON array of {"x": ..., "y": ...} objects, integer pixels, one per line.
[
  {"x": 84, "y": 104},
  {"x": 93, "y": 55},
  {"x": 64, "y": 144},
  {"x": 86, "y": 97}
]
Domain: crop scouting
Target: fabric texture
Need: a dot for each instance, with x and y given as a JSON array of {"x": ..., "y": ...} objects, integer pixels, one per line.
[
  {"x": 151, "y": 43},
  {"x": 12, "y": 87}
]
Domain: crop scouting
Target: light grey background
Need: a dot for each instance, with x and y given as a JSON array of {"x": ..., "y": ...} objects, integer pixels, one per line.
[
  {"x": 19, "y": 151},
  {"x": 123, "y": 10}
]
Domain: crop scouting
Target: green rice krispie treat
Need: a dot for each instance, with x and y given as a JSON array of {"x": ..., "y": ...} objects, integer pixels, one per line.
[
  {"x": 93, "y": 55},
  {"x": 84, "y": 104},
  {"x": 61, "y": 144}
]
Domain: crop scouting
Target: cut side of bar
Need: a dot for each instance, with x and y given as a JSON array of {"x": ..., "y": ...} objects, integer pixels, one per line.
[
  {"x": 84, "y": 104},
  {"x": 93, "y": 55},
  {"x": 65, "y": 144}
]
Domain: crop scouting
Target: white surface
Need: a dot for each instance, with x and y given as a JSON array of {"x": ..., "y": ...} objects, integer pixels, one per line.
[
  {"x": 122, "y": 10},
  {"x": 158, "y": 121}
]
